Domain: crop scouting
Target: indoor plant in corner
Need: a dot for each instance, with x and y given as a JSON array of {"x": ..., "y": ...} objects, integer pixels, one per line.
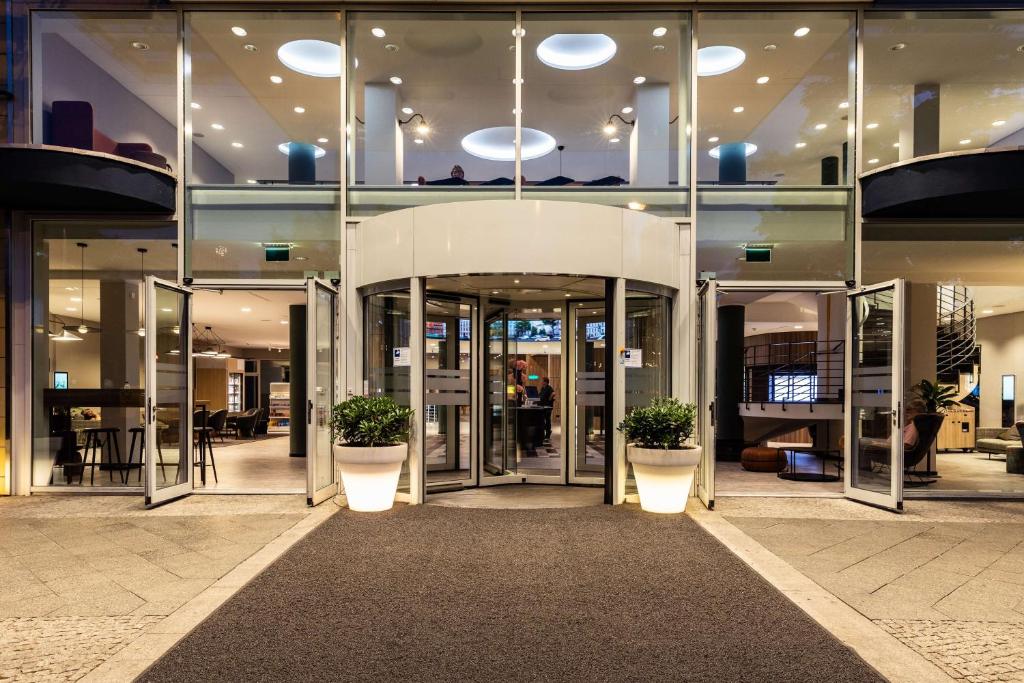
[
  {"x": 372, "y": 434},
  {"x": 663, "y": 463}
]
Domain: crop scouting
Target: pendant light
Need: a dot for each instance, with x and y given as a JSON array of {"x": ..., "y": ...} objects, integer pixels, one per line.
[{"x": 82, "y": 327}]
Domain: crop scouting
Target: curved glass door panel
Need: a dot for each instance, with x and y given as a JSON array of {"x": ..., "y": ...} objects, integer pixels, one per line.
[{"x": 321, "y": 338}]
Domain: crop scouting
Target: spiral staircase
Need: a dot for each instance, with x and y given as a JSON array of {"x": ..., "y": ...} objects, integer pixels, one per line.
[{"x": 956, "y": 336}]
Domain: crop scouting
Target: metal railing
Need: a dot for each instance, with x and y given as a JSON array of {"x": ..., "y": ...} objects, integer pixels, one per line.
[
  {"x": 794, "y": 372},
  {"x": 956, "y": 336}
]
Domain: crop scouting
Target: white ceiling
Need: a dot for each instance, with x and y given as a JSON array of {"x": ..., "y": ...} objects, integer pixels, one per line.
[
  {"x": 258, "y": 328},
  {"x": 770, "y": 312}
]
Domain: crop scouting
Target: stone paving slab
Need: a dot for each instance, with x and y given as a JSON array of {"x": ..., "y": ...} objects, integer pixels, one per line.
[{"x": 975, "y": 651}]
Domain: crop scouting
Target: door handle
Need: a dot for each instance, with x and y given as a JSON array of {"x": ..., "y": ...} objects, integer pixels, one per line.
[
  {"x": 309, "y": 411},
  {"x": 149, "y": 410}
]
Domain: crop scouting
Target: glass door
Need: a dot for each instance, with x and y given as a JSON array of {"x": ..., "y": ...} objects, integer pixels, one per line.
[
  {"x": 874, "y": 374},
  {"x": 588, "y": 359},
  {"x": 447, "y": 376},
  {"x": 168, "y": 394},
  {"x": 499, "y": 464},
  {"x": 707, "y": 338},
  {"x": 321, "y": 358}
]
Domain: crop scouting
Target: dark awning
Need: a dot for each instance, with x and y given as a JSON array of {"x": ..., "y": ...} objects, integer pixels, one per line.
[
  {"x": 986, "y": 184},
  {"x": 42, "y": 177}
]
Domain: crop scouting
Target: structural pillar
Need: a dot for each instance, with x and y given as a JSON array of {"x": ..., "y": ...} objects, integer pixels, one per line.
[
  {"x": 120, "y": 358},
  {"x": 729, "y": 383},
  {"x": 732, "y": 163},
  {"x": 926, "y": 119},
  {"x": 383, "y": 151},
  {"x": 297, "y": 380},
  {"x": 649, "y": 153},
  {"x": 301, "y": 163}
]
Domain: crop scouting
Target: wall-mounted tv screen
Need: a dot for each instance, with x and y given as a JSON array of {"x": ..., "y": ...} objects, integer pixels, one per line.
[
  {"x": 535, "y": 330},
  {"x": 439, "y": 330},
  {"x": 60, "y": 380},
  {"x": 595, "y": 331}
]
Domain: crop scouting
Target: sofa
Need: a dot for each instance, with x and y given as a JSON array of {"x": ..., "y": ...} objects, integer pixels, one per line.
[
  {"x": 999, "y": 440},
  {"x": 71, "y": 125}
]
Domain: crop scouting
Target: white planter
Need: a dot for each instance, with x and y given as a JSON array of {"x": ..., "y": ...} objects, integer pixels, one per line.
[
  {"x": 370, "y": 475},
  {"x": 663, "y": 477}
]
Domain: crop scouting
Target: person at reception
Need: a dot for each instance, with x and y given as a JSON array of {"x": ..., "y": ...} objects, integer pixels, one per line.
[
  {"x": 546, "y": 400},
  {"x": 517, "y": 378}
]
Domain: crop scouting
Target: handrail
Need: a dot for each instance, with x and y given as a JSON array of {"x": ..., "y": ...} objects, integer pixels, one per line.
[{"x": 810, "y": 371}]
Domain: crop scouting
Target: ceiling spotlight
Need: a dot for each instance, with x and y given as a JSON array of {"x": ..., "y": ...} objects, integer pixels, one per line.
[
  {"x": 659, "y": 32},
  {"x": 276, "y": 80},
  {"x": 987, "y": 311},
  {"x": 820, "y": 126},
  {"x": 872, "y": 161},
  {"x": 999, "y": 122},
  {"x": 609, "y": 129},
  {"x": 639, "y": 80},
  {"x": 237, "y": 145},
  {"x": 871, "y": 126},
  {"x": 614, "y": 140},
  {"x": 770, "y": 47},
  {"x": 321, "y": 140},
  {"x": 800, "y": 145},
  {"x": 217, "y": 126},
  {"x": 397, "y": 80},
  {"x": 897, "y": 47},
  {"x": 737, "y": 110},
  {"x": 284, "y": 322},
  {"x": 239, "y": 31},
  {"x": 418, "y": 141},
  {"x": 844, "y": 105},
  {"x": 713, "y": 138},
  {"x": 251, "y": 181},
  {"x": 196, "y": 105},
  {"x": 250, "y": 47},
  {"x": 801, "y": 32},
  {"x": 378, "y": 32},
  {"x": 246, "y": 309},
  {"x": 627, "y": 110},
  {"x": 761, "y": 80},
  {"x": 515, "y": 282},
  {"x": 896, "y": 145},
  {"x": 300, "y": 110},
  {"x": 407, "y": 110},
  {"x": 636, "y": 206},
  {"x": 965, "y": 141},
  {"x": 140, "y": 45}
]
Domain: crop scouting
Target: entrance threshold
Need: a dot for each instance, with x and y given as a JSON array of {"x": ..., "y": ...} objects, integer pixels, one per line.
[{"x": 520, "y": 497}]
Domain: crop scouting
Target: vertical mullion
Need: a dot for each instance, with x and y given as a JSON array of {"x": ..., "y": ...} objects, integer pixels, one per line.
[
  {"x": 858, "y": 156},
  {"x": 184, "y": 138},
  {"x": 519, "y": 104},
  {"x": 694, "y": 130}
]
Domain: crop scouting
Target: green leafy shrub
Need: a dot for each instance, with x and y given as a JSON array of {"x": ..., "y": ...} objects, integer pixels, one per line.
[
  {"x": 936, "y": 396},
  {"x": 666, "y": 423},
  {"x": 370, "y": 421}
]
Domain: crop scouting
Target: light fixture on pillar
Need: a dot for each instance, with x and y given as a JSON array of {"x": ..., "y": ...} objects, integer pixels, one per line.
[
  {"x": 611, "y": 129},
  {"x": 421, "y": 128},
  {"x": 82, "y": 328}
]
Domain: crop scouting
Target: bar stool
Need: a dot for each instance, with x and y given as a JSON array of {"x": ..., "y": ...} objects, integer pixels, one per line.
[
  {"x": 204, "y": 439},
  {"x": 96, "y": 439},
  {"x": 140, "y": 434}
]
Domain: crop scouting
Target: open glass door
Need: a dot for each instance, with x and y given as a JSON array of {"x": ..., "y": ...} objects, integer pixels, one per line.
[
  {"x": 321, "y": 352},
  {"x": 707, "y": 336},
  {"x": 874, "y": 377},
  {"x": 168, "y": 400},
  {"x": 500, "y": 463}
]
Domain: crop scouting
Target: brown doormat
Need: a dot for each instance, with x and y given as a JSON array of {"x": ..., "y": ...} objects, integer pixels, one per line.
[{"x": 435, "y": 593}]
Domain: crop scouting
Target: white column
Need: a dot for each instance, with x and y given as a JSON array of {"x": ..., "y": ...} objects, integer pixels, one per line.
[
  {"x": 649, "y": 140},
  {"x": 618, "y": 370},
  {"x": 906, "y": 132},
  {"x": 383, "y": 144},
  {"x": 684, "y": 328},
  {"x": 416, "y": 474}
]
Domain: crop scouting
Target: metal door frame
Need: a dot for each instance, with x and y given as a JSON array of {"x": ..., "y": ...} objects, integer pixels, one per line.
[{"x": 315, "y": 496}]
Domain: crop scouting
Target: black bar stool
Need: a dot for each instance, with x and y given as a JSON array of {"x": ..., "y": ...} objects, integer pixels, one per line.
[
  {"x": 96, "y": 440},
  {"x": 140, "y": 434},
  {"x": 204, "y": 440}
]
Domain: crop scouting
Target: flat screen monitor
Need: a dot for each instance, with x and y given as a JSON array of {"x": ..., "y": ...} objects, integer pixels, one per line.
[
  {"x": 595, "y": 331},
  {"x": 60, "y": 380},
  {"x": 535, "y": 330},
  {"x": 436, "y": 330},
  {"x": 531, "y": 391}
]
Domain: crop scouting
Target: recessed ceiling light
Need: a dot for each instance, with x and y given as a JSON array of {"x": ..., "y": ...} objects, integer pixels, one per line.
[
  {"x": 498, "y": 143},
  {"x": 418, "y": 141},
  {"x": 250, "y": 47},
  {"x": 76, "y": 299},
  {"x": 639, "y": 80},
  {"x": 519, "y": 32},
  {"x": 713, "y": 138},
  {"x": 284, "y": 322},
  {"x": 251, "y": 181},
  {"x": 872, "y": 161},
  {"x": 70, "y": 309},
  {"x": 896, "y": 144},
  {"x": 217, "y": 126},
  {"x": 496, "y": 291},
  {"x": 397, "y": 80},
  {"x": 820, "y": 126},
  {"x": 321, "y": 140},
  {"x": 166, "y": 310},
  {"x": 987, "y": 311},
  {"x": 312, "y": 57},
  {"x": 391, "y": 47},
  {"x": 999, "y": 122},
  {"x": 737, "y": 110},
  {"x": 798, "y": 327},
  {"x": 378, "y": 32},
  {"x": 965, "y": 141},
  {"x": 239, "y": 31},
  {"x": 801, "y": 32},
  {"x": 635, "y": 206},
  {"x": 627, "y": 110},
  {"x": 770, "y": 47},
  {"x": 246, "y": 309},
  {"x": 576, "y": 51},
  {"x": 196, "y": 105},
  {"x": 800, "y": 145},
  {"x": 139, "y": 45},
  {"x": 1020, "y": 48},
  {"x": 407, "y": 110},
  {"x": 516, "y": 282},
  {"x": 715, "y": 60},
  {"x": 844, "y": 105},
  {"x": 748, "y": 149},
  {"x": 897, "y": 47},
  {"x": 871, "y": 126},
  {"x": 659, "y": 32},
  {"x": 318, "y": 152},
  {"x": 614, "y": 140},
  {"x": 761, "y": 80},
  {"x": 301, "y": 258},
  {"x": 276, "y": 80},
  {"x": 237, "y": 145},
  {"x": 300, "y": 110}
]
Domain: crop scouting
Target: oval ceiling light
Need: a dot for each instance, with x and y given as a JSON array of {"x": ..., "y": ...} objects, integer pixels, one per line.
[
  {"x": 378, "y": 32},
  {"x": 318, "y": 152},
  {"x": 748, "y": 149},
  {"x": 716, "y": 60},
  {"x": 801, "y": 32},
  {"x": 312, "y": 57},
  {"x": 576, "y": 51},
  {"x": 499, "y": 143},
  {"x": 239, "y": 31}
]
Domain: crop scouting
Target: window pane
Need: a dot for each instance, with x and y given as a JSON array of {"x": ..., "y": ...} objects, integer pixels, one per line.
[
  {"x": 430, "y": 108},
  {"x": 107, "y": 82}
]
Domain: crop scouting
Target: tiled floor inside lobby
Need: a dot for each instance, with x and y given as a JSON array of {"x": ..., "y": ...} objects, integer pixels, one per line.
[{"x": 84, "y": 576}]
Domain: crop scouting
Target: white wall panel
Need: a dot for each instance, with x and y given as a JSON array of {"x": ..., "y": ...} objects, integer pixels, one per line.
[{"x": 385, "y": 248}]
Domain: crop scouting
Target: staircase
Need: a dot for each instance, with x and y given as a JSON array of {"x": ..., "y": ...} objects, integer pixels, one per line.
[{"x": 956, "y": 336}]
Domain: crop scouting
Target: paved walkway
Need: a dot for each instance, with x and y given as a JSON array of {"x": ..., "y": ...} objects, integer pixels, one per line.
[
  {"x": 83, "y": 577},
  {"x": 946, "y": 578}
]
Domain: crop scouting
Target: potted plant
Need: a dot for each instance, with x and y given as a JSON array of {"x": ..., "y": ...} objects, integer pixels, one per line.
[
  {"x": 663, "y": 463},
  {"x": 936, "y": 397},
  {"x": 372, "y": 433}
]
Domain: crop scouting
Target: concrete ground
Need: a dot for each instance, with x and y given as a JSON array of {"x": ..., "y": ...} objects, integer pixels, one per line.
[
  {"x": 83, "y": 577},
  {"x": 946, "y": 578}
]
